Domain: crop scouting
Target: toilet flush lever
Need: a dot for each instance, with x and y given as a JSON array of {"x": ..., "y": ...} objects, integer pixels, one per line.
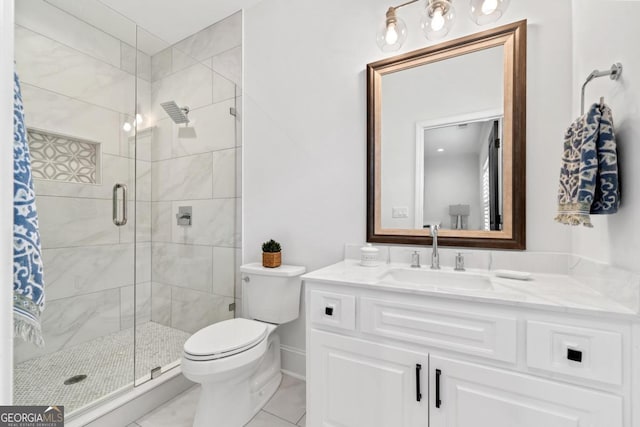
[{"x": 246, "y": 279}]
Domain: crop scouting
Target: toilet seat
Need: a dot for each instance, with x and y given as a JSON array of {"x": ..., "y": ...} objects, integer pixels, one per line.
[{"x": 224, "y": 339}]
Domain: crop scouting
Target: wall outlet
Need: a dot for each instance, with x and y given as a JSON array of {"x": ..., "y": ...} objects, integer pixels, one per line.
[{"x": 400, "y": 212}]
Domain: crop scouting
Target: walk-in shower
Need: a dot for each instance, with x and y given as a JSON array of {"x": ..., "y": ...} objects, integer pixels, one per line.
[{"x": 123, "y": 296}]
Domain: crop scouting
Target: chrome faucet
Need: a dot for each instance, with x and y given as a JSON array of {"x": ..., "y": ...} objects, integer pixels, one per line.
[
  {"x": 435, "y": 257},
  {"x": 415, "y": 260}
]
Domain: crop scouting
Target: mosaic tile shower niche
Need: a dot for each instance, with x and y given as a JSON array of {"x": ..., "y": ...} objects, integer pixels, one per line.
[{"x": 62, "y": 158}]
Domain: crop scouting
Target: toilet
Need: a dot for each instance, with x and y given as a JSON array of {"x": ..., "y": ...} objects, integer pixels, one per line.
[{"x": 237, "y": 361}]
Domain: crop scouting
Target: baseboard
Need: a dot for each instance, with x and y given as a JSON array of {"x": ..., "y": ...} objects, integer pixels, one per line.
[{"x": 294, "y": 361}]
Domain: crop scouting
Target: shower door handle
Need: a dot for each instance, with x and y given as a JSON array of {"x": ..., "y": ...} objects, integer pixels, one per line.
[{"x": 120, "y": 221}]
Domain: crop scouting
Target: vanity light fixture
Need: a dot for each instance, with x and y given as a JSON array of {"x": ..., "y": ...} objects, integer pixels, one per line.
[
  {"x": 437, "y": 20},
  {"x": 487, "y": 11}
]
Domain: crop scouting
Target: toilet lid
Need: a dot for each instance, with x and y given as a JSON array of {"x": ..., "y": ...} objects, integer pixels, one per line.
[{"x": 224, "y": 337}]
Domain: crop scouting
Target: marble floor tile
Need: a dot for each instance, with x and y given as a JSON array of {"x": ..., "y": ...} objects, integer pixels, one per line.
[
  {"x": 289, "y": 402},
  {"x": 178, "y": 412},
  {"x": 265, "y": 419}
]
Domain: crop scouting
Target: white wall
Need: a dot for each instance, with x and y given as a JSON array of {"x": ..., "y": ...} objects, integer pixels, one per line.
[
  {"x": 305, "y": 123},
  {"x": 6, "y": 196},
  {"x": 442, "y": 91},
  {"x": 600, "y": 40},
  {"x": 457, "y": 172}
]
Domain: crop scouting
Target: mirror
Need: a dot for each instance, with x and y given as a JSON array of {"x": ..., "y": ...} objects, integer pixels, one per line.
[{"x": 446, "y": 142}]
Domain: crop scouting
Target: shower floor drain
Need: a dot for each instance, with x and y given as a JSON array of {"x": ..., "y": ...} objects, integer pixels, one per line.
[{"x": 75, "y": 379}]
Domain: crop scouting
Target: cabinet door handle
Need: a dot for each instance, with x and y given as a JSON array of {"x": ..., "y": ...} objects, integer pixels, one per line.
[
  {"x": 418, "y": 393},
  {"x": 438, "y": 401}
]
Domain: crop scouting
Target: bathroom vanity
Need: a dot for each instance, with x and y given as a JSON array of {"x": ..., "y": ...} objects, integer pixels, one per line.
[{"x": 392, "y": 346}]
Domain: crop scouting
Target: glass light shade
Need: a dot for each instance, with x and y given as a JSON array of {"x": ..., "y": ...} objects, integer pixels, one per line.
[
  {"x": 392, "y": 35},
  {"x": 484, "y": 12},
  {"x": 437, "y": 20},
  {"x": 127, "y": 127}
]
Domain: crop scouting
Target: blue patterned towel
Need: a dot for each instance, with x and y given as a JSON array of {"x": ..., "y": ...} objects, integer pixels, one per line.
[
  {"x": 28, "y": 283},
  {"x": 589, "y": 172}
]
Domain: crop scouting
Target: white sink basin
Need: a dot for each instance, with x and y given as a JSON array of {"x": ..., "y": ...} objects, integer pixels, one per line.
[{"x": 435, "y": 278}]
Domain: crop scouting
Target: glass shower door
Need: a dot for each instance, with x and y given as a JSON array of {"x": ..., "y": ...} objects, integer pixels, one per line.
[
  {"x": 79, "y": 91},
  {"x": 187, "y": 200}
]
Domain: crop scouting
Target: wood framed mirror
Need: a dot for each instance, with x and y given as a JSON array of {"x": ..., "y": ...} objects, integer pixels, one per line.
[{"x": 446, "y": 142}]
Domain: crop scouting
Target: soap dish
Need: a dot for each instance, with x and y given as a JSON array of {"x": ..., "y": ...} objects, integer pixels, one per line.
[{"x": 512, "y": 274}]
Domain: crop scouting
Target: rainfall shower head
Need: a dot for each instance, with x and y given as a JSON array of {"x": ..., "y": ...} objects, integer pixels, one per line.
[{"x": 178, "y": 114}]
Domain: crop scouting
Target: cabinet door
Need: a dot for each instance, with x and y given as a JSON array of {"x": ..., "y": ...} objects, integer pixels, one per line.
[
  {"x": 475, "y": 396},
  {"x": 355, "y": 383}
]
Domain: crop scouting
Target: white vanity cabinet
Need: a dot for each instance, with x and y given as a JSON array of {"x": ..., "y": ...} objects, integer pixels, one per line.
[
  {"x": 366, "y": 384},
  {"x": 385, "y": 358},
  {"x": 471, "y": 395}
]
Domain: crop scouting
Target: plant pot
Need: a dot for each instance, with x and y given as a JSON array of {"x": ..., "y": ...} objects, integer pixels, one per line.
[{"x": 271, "y": 259}]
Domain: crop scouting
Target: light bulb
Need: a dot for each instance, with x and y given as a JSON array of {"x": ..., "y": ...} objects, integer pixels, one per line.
[
  {"x": 392, "y": 35},
  {"x": 127, "y": 127},
  {"x": 138, "y": 119},
  {"x": 489, "y": 6},
  {"x": 484, "y": 12},
  {"x": 437, "y": 21}
]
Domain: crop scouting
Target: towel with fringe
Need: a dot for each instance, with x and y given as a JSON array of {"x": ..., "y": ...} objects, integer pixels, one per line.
[
  {"x": 28, "y": 283},
  {"x": 589, "y": 171}
]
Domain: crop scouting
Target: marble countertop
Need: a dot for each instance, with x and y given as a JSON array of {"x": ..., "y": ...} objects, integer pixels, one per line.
[{"x": 553, "y": 292}]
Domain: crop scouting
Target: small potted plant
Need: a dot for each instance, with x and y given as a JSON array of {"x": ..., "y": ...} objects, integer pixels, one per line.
[{"x": 271, "y": 255}]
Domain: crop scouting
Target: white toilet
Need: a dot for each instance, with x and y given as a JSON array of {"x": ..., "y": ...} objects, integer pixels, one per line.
[{"x": 237, "y": 361}]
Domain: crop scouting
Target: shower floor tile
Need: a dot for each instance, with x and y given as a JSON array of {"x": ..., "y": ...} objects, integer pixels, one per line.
[{"x": 107, "y": 362}]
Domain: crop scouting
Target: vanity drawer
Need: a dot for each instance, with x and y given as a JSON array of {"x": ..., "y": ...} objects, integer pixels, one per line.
[
  {"x": 333, "y": 309},
  {"x": 593, "y": 354},
  {"x": 444, "y": 326}
]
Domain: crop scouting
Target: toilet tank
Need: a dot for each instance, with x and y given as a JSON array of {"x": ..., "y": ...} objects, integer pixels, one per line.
[{"x": 271, "y": 294}]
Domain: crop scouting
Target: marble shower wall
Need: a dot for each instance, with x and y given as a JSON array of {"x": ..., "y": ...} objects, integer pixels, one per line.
[
  {"x": 80, "y": 82},
  {"x": 194, "y": 268}
]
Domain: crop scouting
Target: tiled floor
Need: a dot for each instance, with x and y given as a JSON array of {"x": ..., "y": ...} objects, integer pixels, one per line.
[
  {"x": 107, "y": 362},
  {"x": 285, "y": 409}
]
